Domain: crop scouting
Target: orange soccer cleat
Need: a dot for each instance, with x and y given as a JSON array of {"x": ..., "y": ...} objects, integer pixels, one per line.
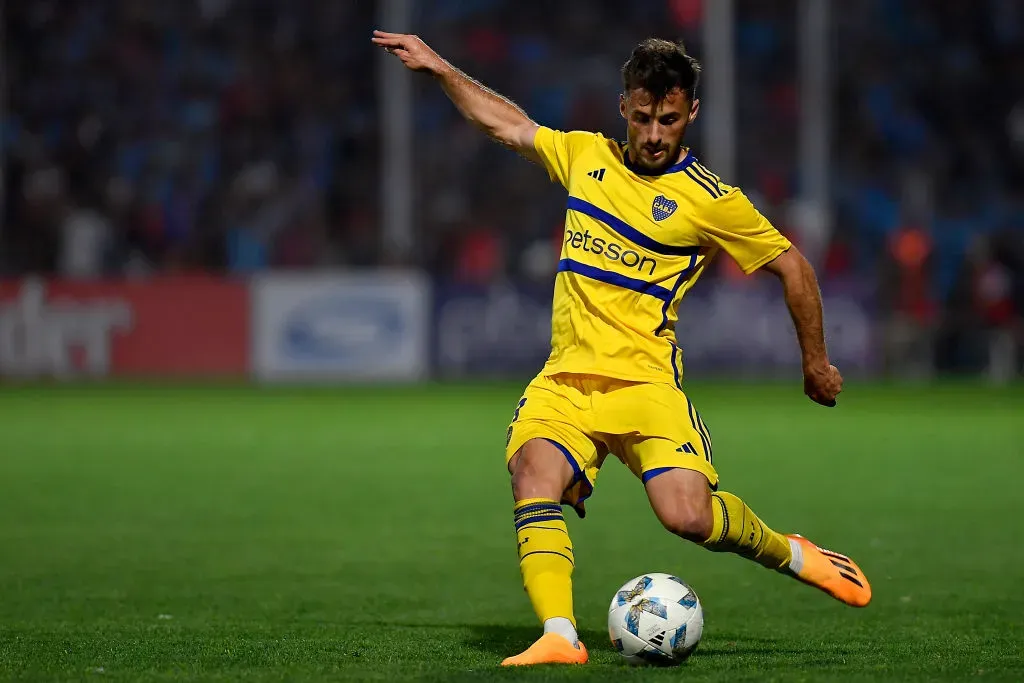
[
  {"x": 836, "y": 574},
  {"x": 550, "y": 648}
]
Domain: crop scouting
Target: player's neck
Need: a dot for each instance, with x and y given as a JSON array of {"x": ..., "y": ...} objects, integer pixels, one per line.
[
  {"x": 630, "y": 159},
  {"x": 631, "y": 156}
]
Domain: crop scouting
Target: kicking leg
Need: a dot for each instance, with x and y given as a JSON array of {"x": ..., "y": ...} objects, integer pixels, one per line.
[
  {"x": 721, "y": 522},
  {"x": 540, "y": 474},
  {"x": 686, "y": 506}
]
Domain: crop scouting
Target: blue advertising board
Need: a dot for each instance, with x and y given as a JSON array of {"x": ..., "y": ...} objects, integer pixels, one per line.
[{"x": 724, "y": 328}]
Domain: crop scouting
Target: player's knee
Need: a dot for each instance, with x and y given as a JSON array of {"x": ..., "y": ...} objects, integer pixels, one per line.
[
  {"x": 539, "y": 474},
  {"x": 692, "y": 521},
  {"x": 533, "y": 479}
]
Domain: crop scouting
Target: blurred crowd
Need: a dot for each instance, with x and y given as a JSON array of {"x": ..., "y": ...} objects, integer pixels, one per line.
[
  {"x": 930, "y": 174},
  {"x": 142, "y": 136}
]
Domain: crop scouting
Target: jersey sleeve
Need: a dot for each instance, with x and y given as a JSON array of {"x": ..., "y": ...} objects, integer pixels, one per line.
[
  {"x": 731, "y": 223},
  {"x": 558, "y": 150}
]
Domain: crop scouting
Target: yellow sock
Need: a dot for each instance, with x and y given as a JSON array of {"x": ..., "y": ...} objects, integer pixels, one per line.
[
  {"x": 545, "y": 557},
  {"x": 738, "y": 530}
]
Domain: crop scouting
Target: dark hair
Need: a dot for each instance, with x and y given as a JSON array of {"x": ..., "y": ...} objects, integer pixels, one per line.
[{"x": 659, "y": 66}]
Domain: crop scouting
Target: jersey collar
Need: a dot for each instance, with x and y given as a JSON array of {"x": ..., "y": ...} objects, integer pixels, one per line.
[{"x": 681, "y": 165}]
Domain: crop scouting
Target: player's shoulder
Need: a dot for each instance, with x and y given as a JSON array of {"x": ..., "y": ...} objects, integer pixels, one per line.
[
  {"x": 702, "y": 185},
  {"x": 579, "y": 139}
]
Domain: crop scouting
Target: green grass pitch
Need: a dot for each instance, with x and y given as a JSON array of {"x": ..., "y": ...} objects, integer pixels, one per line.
[{"x": 366, "y": 534}]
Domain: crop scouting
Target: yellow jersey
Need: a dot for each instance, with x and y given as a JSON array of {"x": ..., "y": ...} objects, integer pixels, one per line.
[{"x": 634, "y": 245}]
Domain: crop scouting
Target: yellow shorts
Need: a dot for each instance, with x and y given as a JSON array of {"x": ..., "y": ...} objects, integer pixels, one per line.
[{"x": 649, "y": 427}]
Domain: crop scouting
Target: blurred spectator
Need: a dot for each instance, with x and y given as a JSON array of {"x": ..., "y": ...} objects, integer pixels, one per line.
[
  {"x": 992, "y": 299},
  {"x": 910, "y": 319},
  {"x": 86, "y": 240}
]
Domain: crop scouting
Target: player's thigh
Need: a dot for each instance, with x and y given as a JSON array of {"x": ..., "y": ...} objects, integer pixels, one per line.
[
  {"x": 550, "y": 419},
  {"x": 540, "y": 470}
]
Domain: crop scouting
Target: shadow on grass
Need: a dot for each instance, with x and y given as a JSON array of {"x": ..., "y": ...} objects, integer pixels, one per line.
[{"x": 502, "y": 640}]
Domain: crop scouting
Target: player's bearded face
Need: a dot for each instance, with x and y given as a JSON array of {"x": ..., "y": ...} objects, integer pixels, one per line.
[{"x": 655, "y": 128}]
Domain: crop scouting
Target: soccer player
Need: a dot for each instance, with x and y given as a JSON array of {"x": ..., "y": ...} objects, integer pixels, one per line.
[{"x": 644, "y": 219}]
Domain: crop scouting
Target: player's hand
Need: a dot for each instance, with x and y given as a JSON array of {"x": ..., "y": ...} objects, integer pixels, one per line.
[
  {"x": 822, "y": 384},
  {"x": 413, "y": 52}
]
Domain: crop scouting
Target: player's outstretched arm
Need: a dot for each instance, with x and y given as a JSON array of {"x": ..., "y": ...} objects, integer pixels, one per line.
[
  {"x": 497, "y": 116},
  {"x": 822, "y": 381}
]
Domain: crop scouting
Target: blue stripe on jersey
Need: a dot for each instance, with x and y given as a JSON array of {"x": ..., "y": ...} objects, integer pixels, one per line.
[
  {"x": 567, "y": 265},
  {"x": 626, "y": 230},
  {"x": 709, "y": 173},
  {"x": 705, "y": 432},
  {"x": 640, "y": 170},
  {"x": 702, "y": 183},
  {"x": 683, "y": 277},
  {"x": 675, "y": 368},
  {"x": 700, "y": 433},
  {"x": 706, "y": 175},
  {"x": 693, "y": 422}
]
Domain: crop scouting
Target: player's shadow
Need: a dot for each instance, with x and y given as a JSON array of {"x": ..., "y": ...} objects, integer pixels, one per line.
[{"x": 503, "y": 641}]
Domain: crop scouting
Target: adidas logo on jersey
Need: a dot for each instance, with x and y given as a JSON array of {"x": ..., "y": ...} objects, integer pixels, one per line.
[{"x": 598, "y": 173}]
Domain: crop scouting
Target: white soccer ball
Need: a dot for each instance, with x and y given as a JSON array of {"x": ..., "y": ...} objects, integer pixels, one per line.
[{"x": 655, "y": 619}]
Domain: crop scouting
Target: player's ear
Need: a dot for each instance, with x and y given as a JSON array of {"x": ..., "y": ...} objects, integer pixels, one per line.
[
  {"x": 694, "y": 108},
  {"x": 622, "y": 105}
]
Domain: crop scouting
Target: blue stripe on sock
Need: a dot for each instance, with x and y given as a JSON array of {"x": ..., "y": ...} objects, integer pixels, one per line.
[
  {"x": 543, "y": 518},
  {"x": 536, "y": 507},
  {"x": 538, "y": 515},
  {"x": 544, "y": 513}
]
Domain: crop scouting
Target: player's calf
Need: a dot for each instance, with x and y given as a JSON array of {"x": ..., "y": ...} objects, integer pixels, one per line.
[
  {"x": 688, "y": 519},
  {"x": 686, "y": 506},
  {"x": 738, "y": 530},
  {"x": 540, "y": 474}
]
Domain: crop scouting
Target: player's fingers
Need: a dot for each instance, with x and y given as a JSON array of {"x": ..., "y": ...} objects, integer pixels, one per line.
[
  {"x": 399, "y": 52},
  {"x": 385, "y": 34},
  {"x": 391, "y": 39},
  {"x": 388, "y": 42},
  {"x": 825, "y": 398}
]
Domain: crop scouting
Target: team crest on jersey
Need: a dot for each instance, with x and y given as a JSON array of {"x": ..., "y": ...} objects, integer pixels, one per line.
[{"x": 663, "y": 207}]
